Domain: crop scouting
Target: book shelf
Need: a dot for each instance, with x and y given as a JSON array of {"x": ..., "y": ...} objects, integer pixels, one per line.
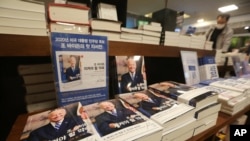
[{"x": 21, "y": 45}]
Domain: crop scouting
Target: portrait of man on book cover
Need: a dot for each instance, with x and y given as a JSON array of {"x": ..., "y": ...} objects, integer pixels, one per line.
[
  {"x": 62, "y": 123},
  {"x": 131, "y": 73}
]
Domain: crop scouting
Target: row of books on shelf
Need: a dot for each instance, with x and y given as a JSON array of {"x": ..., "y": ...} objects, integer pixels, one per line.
[{"x": 163, "y": 111}]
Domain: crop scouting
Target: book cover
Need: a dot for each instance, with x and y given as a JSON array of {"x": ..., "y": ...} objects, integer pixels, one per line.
[
  {"x": 61, "y": 123},
  {"x": 117, "y": 121},
  {"x": 68, "y": 13},
  {"x": 165, "y": 111},
  {"x": 80, "y": 67},
  {"x": 190, "y": 67},
  {"x": 107, "y": 11},
  {"x": 131, "y": 73}
]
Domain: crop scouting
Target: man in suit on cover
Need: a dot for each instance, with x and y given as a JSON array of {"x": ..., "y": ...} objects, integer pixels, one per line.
[
  {"x": 132, "y": 81},
  {"x": 60, "y": 128},
  {"x": 151, "y": 104},
  {"x": 114, "y": 118},
  {"x": 73, "y": 72}
]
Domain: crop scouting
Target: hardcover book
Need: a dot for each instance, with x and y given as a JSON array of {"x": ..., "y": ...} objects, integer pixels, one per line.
[
  {"x": 165, "y": 111},
  {"x": 114, "y": 120},
  {"x": 80, "y": 67},
  {"x": 107, "y": 11},
  {"x": 68, "y": 13},
  {"x": 131, "y": 73},
  {"x": 62, "y": 123}
]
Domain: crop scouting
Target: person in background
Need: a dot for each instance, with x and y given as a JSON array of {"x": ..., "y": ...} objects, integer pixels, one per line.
[
  {"x": 220, "y": 34},
  {"x": 132, "y": 81},
  {"x": 247, "y": 44}
]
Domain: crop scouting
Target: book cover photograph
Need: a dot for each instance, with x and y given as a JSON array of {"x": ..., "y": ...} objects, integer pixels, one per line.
[
  {"x": 115, "y": 120},
  {"x": 67, "y": 123},
  {"x": 131, "y": 73},
  {"x": 80, "y": 67},
  {"x": 165, "y": 111}
]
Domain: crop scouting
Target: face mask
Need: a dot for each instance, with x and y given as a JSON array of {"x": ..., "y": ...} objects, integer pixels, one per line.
[{"x": 220, "y": 26}]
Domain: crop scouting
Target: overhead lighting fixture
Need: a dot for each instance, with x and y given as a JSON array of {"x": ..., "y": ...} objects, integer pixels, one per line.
[
  {"x": 200, "y": 20},
  {"x": 228, "y": 8},
  {"x": 185, "y": 16}
]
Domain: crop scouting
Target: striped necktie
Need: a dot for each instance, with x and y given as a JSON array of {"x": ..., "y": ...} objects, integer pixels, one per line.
[{"x": 57, "y": 125}]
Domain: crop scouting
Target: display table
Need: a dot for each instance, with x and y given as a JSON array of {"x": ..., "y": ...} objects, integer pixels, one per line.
[{"x": 223, "y": 120}]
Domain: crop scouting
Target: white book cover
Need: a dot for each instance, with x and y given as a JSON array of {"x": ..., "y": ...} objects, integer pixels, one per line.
[
  {"x": 107, "y": 11},
  {"x": 190, "y": 67},
  {"x": 165, "y": 111},
  {"x": 117, "y": 121}
]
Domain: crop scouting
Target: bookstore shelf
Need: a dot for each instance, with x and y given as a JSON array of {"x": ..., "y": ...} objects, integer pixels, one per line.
[{"x": 23, "y": 45}]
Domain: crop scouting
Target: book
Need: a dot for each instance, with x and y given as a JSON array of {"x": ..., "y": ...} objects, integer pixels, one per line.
[
  {"x": 42, "y": 125},
  {"x": 189, "y": 61},
  {"x": 208, "y": 110},
  {"x": 111, "y": 35},
  {"x": 69, "y": 28},
  {"x": 39, "y": 97},
  {"x": 21, "y": 14},
  {"x": 165, "y": 111},
  {"x": 208, "y": 68},
  {"x": 150, "y": 27},
  {"x": 24, "y": 69},
  {"x": 107, "y": 25},
  {"x": 80, "y": 67},
  {"x": 131, "y": 36},
  {"x": 41, "y": 106},
  {"x": 39, "y": 87},
  {"x": 126, "y": 123},
  {"x": 38, "y": 78},
  {"x": 107, "y": 11},
  {"x": 23, "y": 31},
  {"x": 68, "y": 13},
  {"x": 131, "y": 74},
  {"x": 20, "y": 5},
  {"x": 131, "y": 30},
  {"x": 197, "y": 97},
  {"x": 25, "y": 23}
]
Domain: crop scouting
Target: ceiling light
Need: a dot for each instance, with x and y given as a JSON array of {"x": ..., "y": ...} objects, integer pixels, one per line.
[
  {"x": 246, "y": 27},
  {"x": 228, "y": 8},
  {"x": 200, "y": 20},
  {"x": 186, "y": 16}
]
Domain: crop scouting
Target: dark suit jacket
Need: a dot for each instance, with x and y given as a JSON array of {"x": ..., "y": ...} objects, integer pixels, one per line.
[
  {"x": 70, "y": 72},
  {"x": 48, "y": 132},
  {"x": 104, "y": 119},
  {"x": 126, "y": 78},
  {"x": 147, "y": 106}
]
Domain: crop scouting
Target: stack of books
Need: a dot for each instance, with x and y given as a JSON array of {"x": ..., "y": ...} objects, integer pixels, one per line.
[
  {"x": 208, "y": 45},
  {"x": 184, "y": 41},
  {"x": 173, "y": 116},
  {"x": 131, "y": 35},
  {"x": 232, "y": 95},
  {"x": 205, "y": 101},
  {"x": 17, "y": 19},
  {"x": 171, "y": 38},
  {"x": 106, "y": 23},
  {"x": 197, "y": 42},
  {"x": 64, "y": 18},
  {"x": 38, "y": 82},
  {"x": 151, "y": 33}
]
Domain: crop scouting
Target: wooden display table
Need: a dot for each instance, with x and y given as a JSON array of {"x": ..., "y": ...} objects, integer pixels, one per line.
[{"x": 223, "y": 120}]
